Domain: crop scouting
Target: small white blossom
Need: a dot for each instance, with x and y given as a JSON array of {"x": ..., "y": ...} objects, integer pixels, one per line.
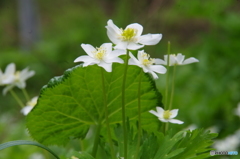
[
  {"x": 177, "y": 60},
  {"x": 130, "y": 38},
  {"x": 12, "y": 78},
  {"x": 102, "y": 56},
  {"x": 29, "y": 105},
  {"x": 166, "y": 115},
  {"x": 8, "y": 76},
  {"x": 146, "y": 63}
]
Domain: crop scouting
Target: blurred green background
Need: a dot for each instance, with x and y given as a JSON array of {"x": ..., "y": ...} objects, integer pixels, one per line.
[{"x": 207, "y": 93}]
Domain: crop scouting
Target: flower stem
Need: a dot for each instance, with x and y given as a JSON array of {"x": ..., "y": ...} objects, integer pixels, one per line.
[
  {"x": 123, "y": 107},
  {"x": 173, "y": 85},
  {"x": 96, "y": 140},
  {"x": 139, "y": 115},
  {"x": 25, "y": 94},
  {"x": 16, "y": 98},
  {"x": 106, "y": 115},
  {"x": 167, "y": 78}
]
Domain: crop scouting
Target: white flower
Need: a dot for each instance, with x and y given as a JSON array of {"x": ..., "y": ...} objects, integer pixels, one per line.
[
  {"x": 29, "y": 105},
  {"x": 130, "y": 38},
  {"x": 8, "y": 76},
  {"x": 166, "y": 115},
  {"x": 102, "y": 56},
  {"x": 177, "y": 60},
  {"x": 146, "y": 63},
  {"x": 13, "y": 78}
]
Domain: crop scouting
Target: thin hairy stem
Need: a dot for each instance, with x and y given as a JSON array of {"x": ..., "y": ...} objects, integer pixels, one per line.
[
  {"x": 16, "y": 98},
  {"x": 25, "y": 94},
  {"x": 173, "y": 86}
]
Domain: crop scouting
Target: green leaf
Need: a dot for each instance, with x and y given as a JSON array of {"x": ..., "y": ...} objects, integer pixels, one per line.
[
  {"x": 69, "y": 104},
  {"x": 24, "y": 142}
]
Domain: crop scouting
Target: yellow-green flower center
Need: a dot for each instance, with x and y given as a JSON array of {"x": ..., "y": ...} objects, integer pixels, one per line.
[
  {"x": 147, "y": 60},
  {"x": 167, "y": 114},
  {"x": 100, "y": 53},
  {"x": 128, "y": 34}
]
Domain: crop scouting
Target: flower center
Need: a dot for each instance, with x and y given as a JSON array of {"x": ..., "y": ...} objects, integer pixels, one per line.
[
  {"x": 167, "y": 114},
  {"x": 17, "y": 76},
  {"x": 100, "y": 53},
  {"x": 147, "y": 60},
  {"x": 128, "y": 34}
]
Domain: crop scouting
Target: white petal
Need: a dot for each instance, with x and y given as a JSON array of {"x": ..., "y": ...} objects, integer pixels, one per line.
[
  {"x": 150, "y": 39},
  {"x": 25, "y": 74},
  {"x": 160, "y": 61},
  {"x": 7, "y": 88},
  {"x": 115, "y": 59},
  {"x": 108, "y": 47},
  {"x": 116, "y": 53},
  {"x": 163, "y": 120},
  {"x": 136, "y": 26},
  {"x": 133, "y": 60},
  {"x": 10, "y": 69},
  {"x": 88, "y": 49},
  {"x": 26, "y": 110},
  {"x": 179, "y": 58},
  {"x": 190, "y": 60},
  {"x": 113, "y": 32},
  {"x": 155, "y": 76},
  {"x": 134, "y": 46},
  {"x": 83, "y": 58},
  {"x": 154, "y": 113},
  {"x": 21, "y": 84},
  {"x": 160, "y": 111},
  {"x": 106, "y": 66},
  {"x": 174, "y": 113},
  {"x": 158, "y": 68},
  {"x": 121, "y": 45},
  {"x": 175, "y": 121}
]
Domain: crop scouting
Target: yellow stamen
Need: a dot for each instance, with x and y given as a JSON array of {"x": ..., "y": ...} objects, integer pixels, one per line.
[
  {"x": 128, "y": 34},
  {"x": 167, "y": 114},
  {"x": 100, "y": 53},
  {"x": 147, "y": 60}
]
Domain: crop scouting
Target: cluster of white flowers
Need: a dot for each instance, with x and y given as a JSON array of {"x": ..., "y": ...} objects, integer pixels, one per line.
[
  {"x": 11, "y": 78},
  {"x": 128, "y": 39}
]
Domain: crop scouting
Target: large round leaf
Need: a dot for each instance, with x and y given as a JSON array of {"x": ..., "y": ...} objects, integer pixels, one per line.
[{"x": 69, "y": 104}]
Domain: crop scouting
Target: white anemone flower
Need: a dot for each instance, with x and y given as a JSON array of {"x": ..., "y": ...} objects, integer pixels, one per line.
[
  {"x": 177, "y": 60},
  {"x": 130, "y": 38},
  {"x": 166, "y": 115},
  {"x": 8, "y": 76},
  {"x": 103, "y": 56},
  {"x": 29, "y": 105},
  {"x": 146, "y": 63},
  {"x": 12, "y": 78}
]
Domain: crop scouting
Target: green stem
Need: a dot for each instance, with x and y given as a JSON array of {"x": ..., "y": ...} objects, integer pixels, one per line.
[
  {"x": 106, "y": 115},
  {"x": 139, "y": 116},
  {"x": 96, "y": 140},
  {"x": 16, "y": 98},
  {"x": 25, "y": 94},
  {"x": 167, "y": 78},
  {"x": 123, "y": 107},
  {"x": 173, "y": 85}
]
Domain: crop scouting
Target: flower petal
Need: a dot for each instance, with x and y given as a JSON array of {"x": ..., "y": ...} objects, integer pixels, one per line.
[
  {"x": 154, "y": 113},
  {"x": 160, "y": 111},
  {"x": 158, "y": 68},
  {"x": 10, "y": 69},
  {"x": 174, "y": 113},
  {"x": 26, "y": 110},
  {"x": 136, "y": 26},
  {"x": 133, "y": 60},
  {"x": 150, "y": 39},
  {"x": 113, "y": 32},
  {"x": 175, "y": 121},
  {"x": 134, "y": 46},
  {"x": 7, "y": 88},
  {"x": 155, "y": 76},
  {"x": 106, "y": 66},
  {"x": 118, "y": 52},
  {"x": 190, "y": 60},
  {"x": 179, "y": 58},
  {"x": 83, "y": 58},
  {"x": 88, "y": 49},
  {"x": 25, "y": 74},
  {"x": 122, "y": 45},
  {"x": 115, "y": 59},
  {"x": 108, "y": 47},
  {"x": 160, "y": 61}
]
